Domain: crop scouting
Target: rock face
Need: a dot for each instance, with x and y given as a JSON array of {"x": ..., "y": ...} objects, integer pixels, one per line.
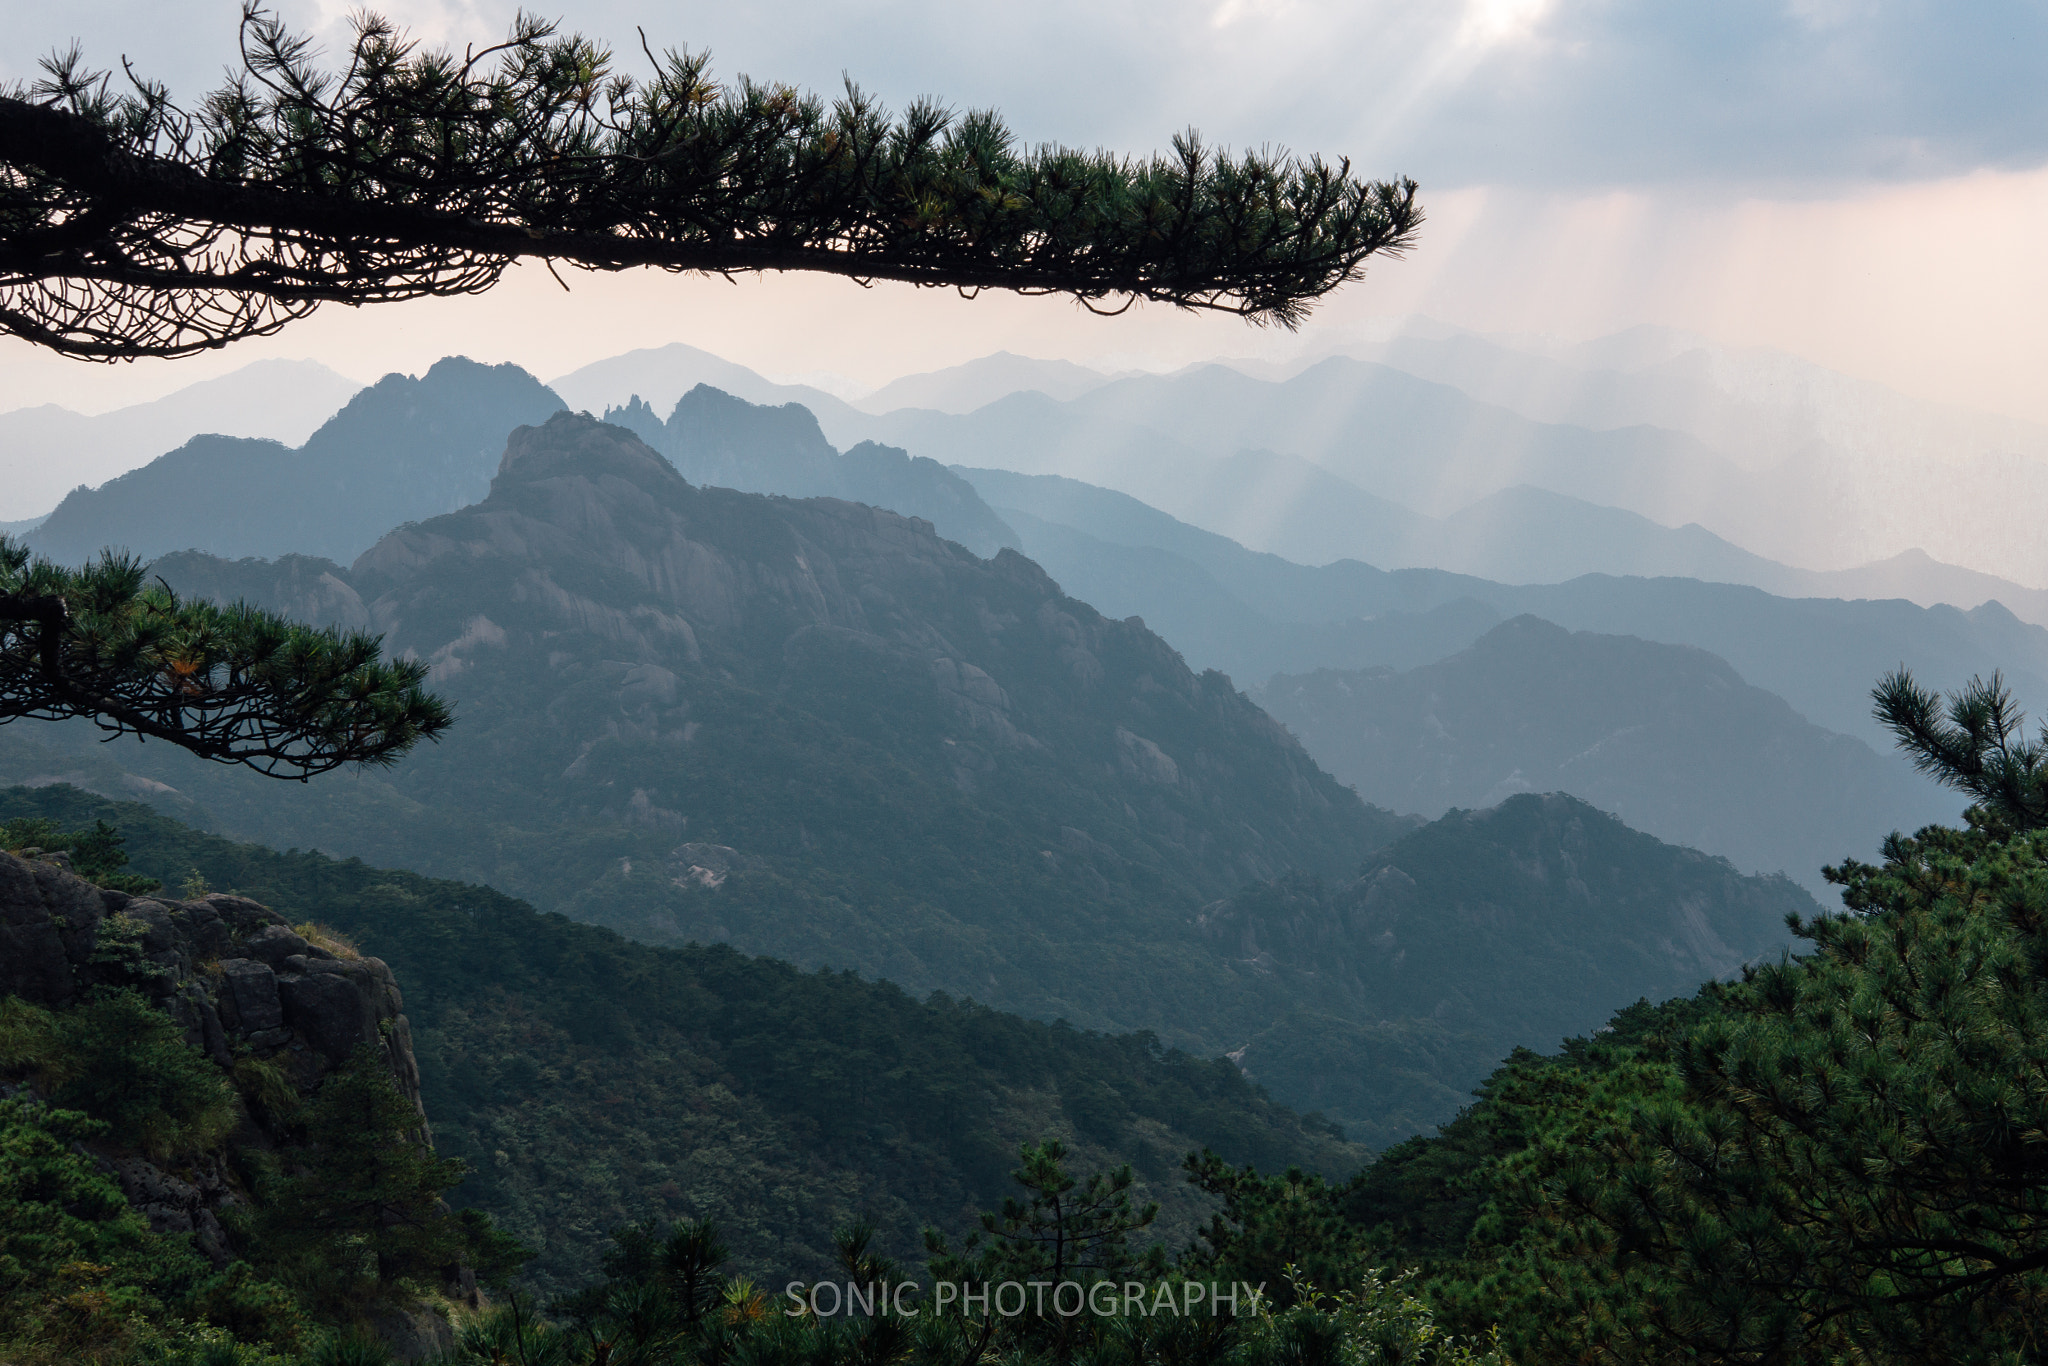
[{"x": 232, "y": 972}]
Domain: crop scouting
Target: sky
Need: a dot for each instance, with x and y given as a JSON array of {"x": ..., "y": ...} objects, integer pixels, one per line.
[{"x": 1860, "y": 182}]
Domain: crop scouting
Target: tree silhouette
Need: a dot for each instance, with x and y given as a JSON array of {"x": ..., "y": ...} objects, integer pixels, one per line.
[{"x": 130, "y": 226}]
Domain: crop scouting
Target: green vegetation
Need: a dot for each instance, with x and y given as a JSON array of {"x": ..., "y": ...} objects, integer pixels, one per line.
[
  {"x": 234, "y": 684},
  {"x": 1976, "y": 743},
  {"x": 82, "y": 1278},
  {"x": 343, "y": 1216},
  {"x": 96, "y": 854},
  {"x": 123, "y": 1062},
  {"x": 358, "y": 1206},
  {"x": 590, "y": 1083},
  {"x": 662, "y": 1303},
  {"x": 1835, "y": 1159}
]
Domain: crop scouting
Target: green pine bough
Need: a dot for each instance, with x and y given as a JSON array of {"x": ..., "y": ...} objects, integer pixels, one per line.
[
  {"x": 232, "y": 684},
  {"x": 130, "y": 226},
  {"x": 1974, "y": 741}
]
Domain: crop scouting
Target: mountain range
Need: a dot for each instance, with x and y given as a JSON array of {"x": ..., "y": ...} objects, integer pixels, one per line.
[
  {"x": 1667, "y": 737},
  {"x": 1688, "y": 460},
  {"x": 402, "y": 449},
  {"x": 816, "y": 729},
  {"x": 1494, "y": 422},
  {"x": 1253, "y": 614}
]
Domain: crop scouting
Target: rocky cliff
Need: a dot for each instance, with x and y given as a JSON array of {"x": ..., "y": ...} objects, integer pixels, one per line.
[{"x": 241, "y": 982}]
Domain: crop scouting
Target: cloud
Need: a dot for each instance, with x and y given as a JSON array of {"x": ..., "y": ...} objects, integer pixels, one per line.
[{"x": 1806, "y": 94}]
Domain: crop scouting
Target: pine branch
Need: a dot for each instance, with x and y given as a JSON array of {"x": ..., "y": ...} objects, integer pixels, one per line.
[
  {"x": 234, "y": 684},
  {"x": 1974, "y": 744},
  {"x": 131, "y": 227}
]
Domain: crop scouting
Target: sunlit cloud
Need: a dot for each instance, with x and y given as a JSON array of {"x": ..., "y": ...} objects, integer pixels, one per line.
[{"x": 1491, "y": 22}]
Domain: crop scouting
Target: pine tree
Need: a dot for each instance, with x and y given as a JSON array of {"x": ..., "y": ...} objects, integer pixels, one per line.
[
  {"x": 357, "y": 1207},
  {"x": 130, "y": 226},
  {"x": 1843, "y": 1162},
  {"x": 1063, "y": 1230}
]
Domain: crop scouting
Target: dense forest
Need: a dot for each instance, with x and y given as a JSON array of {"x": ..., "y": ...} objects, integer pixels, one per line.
[
  {"x": 1833, "y": 1157},
  {"x": 588, "y": 1082}
]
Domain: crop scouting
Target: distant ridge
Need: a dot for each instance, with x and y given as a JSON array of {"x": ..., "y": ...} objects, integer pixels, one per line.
[
  {"x": 963, "y": 388},
  {"x": 47, "y": 451},
  {"x": 1667, "y": 737},
  {"x": 401, "y": 450}
]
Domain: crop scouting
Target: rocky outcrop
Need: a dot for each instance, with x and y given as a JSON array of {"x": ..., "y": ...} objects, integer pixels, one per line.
[
  {"x": 715, "y": 439},
  {"x": 242, "y": 982}
]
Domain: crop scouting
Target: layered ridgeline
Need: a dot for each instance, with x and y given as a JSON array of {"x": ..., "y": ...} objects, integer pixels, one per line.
[
  {"x": 812, "y": 728},
  {"x": 713, "y": 438},
  {"x": 818, "y": 730},
  {"x": 1349, "y": 458},
  {"x": 589, "y": 1083},
  {"x": 1667, "y": 737},
  {"x": 1254, "y": 614},
  {"x": 403, "y": 449}
]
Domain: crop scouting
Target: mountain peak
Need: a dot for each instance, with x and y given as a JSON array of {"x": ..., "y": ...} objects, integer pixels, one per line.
[{"x": 577, "y": 445}]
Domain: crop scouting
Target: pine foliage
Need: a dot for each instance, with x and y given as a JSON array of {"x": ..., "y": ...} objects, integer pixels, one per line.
[
  {"x": 131, "y": 226},
  {"x": 233, "y": 684},
  {"x": 1975, "y": 743}
]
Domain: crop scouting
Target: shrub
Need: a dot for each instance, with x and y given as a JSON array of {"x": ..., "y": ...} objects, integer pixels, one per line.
[{"x": 120, "y": 1060}]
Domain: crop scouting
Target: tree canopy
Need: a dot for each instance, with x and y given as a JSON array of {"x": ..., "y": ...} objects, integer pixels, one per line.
[
  {"x": 133, "y": 226},
  {"x": 232, "y": 684}
]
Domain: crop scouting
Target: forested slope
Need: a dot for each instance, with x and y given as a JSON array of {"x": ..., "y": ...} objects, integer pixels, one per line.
[{"x": 590, "y": 1082}]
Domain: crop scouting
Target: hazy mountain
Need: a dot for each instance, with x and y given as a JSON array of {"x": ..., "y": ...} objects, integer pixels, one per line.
[
  {"x": 714, "y": 438},
  {"x": 963, "y": 388},
  {"x": 1422, "y": 445},
  {"x": 1215, "y": 627},
  {"x": 1431, "y": 447},
  {"x": 1401, "y": 975},
  {"x": 1707, "y": 473},
  {"x": 47, "y": 451},
  {"x": 660, "y": 375},
  {"x": 1820, "y": 654},
  {"x": 1839, "y": 469},
  {"x": 400, "y": 450},
  {"x": 812, "y": 729},
  {"x": 1521, "y": 535},
  {"x": 1667, "y": 737}
]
